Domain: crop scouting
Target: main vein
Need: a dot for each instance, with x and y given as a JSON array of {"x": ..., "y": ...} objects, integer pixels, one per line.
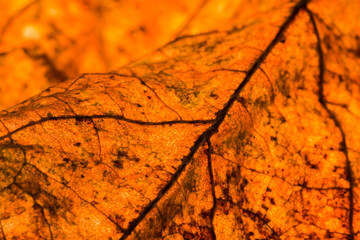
[{"x": 205, "y": 136}]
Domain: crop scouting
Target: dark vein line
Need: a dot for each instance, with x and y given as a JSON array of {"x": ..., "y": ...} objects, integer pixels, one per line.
[
  {"x": 112, "y": 99},
  {"x": 211, "y": 175},
  {"x": 84, "y": 75},
  {"x": 94, "y": 206},
  {"x": 228, "y": 70},
  {"x": 15, "y": 145},
  {"x": 153, "y": 91},
  {"x": 98, "y": 139},
  {"x": 337, "y": 123},
  {"x": 2, "y": 231},
  {"x": 219, "y": 119},
  {"x": 188, "y": 36},
  {"x": 117, "y": 117},
  {"x": 70, "y": 188},
  {"x": 7, "y": 129},
  {"x": 42, "y": 126},
  {"x": 345, "y": 106},
  {"x": 45, "y": 219},
  {"x": 77, "y": 79},
  {"x": 274, "y": 234},
  {"x": 272, "y": 97},
  {"x": 63, "y": 101}
]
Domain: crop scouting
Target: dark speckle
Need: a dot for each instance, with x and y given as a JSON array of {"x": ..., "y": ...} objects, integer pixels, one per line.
[
  {"x": 329, "y": 234},
  {"x": 264, "y": 207},
  {"x": 213, "y": 95},
  {"x": 282, "y": 39},
  {"x": 249, "y": 235},
  {"x": 188, "y": 235},
  {"x": 142, "y": 28},
  {"x": 121, "y": 154},
  {"x": 118, "y": 164}
]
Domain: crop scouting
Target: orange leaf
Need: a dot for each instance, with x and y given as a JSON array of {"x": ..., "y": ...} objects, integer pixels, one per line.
[{"x": 243, "y": 130}]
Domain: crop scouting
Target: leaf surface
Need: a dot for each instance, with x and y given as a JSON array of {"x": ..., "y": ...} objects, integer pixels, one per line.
[{"x": 246, "y": 132}]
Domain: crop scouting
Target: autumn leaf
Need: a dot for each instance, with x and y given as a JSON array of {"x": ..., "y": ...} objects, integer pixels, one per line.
[{"x": 243, "y": 130}]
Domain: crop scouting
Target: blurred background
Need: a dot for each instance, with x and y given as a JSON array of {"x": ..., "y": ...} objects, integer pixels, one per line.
[{"x": 45, "y": 42}]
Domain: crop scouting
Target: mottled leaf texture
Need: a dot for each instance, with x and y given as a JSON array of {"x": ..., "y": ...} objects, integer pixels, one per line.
[{"x": 244, "y": 127}]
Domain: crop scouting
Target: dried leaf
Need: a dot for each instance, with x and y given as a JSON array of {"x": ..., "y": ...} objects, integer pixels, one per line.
[{"x": 246, "y": 132}]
